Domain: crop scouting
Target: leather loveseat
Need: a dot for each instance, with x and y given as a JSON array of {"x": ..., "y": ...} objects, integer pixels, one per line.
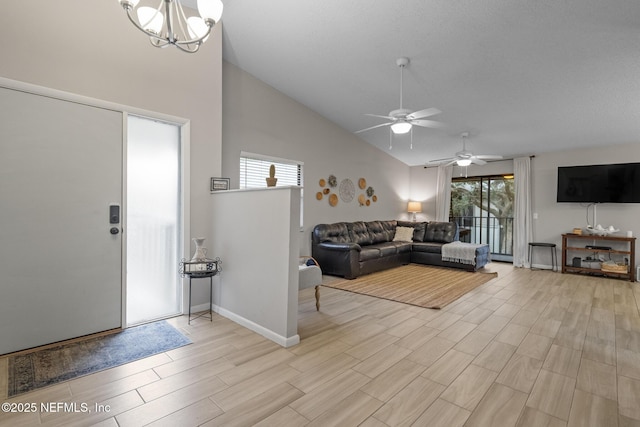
[{"x": 351, "y": 249}]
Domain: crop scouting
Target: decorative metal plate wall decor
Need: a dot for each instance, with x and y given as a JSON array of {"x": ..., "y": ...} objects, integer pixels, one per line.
[
  {"x": 347, "y": 190},
  {"x": 366, "y": 199},
  {"x": 370, "y": 191}
]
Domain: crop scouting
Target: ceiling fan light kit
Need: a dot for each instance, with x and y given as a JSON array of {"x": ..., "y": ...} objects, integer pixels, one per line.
[
  {"x": 464, "y": 158},
  {"x": 401, "y": 127},
  {"x": 403, "y": 120}
]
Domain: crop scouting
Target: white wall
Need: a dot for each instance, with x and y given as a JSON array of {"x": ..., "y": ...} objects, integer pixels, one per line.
[
  {"x": 256, "y": 235},
  {"x": 90, "y": 48},
  {"x": 557, "y": 218},
  {"x": 259, "y": 119}
]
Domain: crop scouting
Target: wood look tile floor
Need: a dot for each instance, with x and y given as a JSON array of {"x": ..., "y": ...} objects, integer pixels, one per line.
[{"x": 528, "y": 348}]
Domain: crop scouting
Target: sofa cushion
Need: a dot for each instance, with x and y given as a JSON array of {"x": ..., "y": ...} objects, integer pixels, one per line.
[
  {"x": 403, "y": 247},
  {"x": 360, "y": 233},
  {"x": 377, "y": 232},
  {"x": 387, "y": 248},
  {"x": 403, "y": 234},
  {"x": 443, "y": 232},
  {"x": 418, "y": 229},
  {"x": 428, "y": 247},
  {"x": 336, "y": 233},
  {"x": 389, "y": 228},
  {"x": 369, "y": 252}
]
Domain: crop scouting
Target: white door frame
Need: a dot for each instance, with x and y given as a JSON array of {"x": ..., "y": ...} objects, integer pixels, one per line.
[{"x": 185, "y": 140}]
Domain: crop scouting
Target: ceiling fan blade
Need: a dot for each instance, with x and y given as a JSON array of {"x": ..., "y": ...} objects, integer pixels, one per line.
[
  {"x": 373, "y": 127},
  {"x": 440, "y": 161},
  {"x": 478, "y": 161},
  {"x": 427, "y": 123},
  {"x": 489, "y": 157},
  {"x": 382, "y": 117},
  {"x": 423, "y": 113}
]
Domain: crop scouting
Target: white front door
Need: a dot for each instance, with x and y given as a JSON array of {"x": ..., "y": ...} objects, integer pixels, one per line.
[{"x": 60, "y": 264}]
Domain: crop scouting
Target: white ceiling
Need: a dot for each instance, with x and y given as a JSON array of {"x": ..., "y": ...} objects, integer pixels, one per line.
[{"x": 522, "y": 76}]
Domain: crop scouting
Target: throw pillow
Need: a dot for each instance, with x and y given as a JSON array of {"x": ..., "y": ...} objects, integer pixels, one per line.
[{"x": 403, "y": 234}]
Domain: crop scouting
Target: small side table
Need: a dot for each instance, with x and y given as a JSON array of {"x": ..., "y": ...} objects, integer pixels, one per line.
[
  {"x": 554, "y": 254},
  {"x": 203, "y": 275},
  {"x": 201, "y": 268}
]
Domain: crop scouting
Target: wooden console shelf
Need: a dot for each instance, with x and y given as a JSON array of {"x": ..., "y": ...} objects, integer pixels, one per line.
[{"x": 585, "y": 240}]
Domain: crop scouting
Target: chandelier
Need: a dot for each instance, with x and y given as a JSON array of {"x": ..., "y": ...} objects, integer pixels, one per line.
[{"x": 168, "y": 24}]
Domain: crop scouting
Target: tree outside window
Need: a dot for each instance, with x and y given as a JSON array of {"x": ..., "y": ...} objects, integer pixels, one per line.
[{"x": 484, "y": 206}]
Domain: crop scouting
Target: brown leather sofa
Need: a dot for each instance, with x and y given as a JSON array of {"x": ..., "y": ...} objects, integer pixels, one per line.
[{"x": 351, "y": 249}]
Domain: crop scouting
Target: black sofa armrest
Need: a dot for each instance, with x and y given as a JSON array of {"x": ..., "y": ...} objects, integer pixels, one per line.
[
  {"x": 340, "y": 247},
  {"x": 338, "y": 259}
]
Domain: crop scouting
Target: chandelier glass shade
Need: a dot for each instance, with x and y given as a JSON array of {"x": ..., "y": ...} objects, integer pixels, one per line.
[{"x": 168, "y": 24}]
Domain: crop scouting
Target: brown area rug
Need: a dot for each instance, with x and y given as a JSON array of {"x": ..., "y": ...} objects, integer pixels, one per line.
[{"x": 415, "y": 284}]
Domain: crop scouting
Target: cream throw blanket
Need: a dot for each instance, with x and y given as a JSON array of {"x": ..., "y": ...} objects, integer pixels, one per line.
[{"x": 464, "y": 253}]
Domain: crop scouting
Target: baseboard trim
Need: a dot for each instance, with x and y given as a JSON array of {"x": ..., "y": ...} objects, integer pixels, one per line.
[
  {"x": 267, "y": 333},
  {"x": 541, "y": 267}
]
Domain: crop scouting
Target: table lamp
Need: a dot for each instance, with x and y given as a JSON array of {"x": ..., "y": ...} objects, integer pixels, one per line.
[{"x": 414, "y": 207}]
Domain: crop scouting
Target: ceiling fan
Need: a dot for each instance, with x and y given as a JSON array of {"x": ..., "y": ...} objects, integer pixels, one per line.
[
  {"x": 464, "y": 157},
  {"x": 402, "y": 120}
]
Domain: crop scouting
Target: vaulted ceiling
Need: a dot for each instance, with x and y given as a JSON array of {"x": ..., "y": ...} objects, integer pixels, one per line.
[{"x": 522, "y": 76}]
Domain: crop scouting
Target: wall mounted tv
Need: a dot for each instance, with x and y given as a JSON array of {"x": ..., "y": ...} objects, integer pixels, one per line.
[{"x": 615, "y": 183}]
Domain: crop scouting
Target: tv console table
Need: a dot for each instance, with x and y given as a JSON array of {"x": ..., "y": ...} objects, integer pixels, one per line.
[{"x": 600, "y": 241}]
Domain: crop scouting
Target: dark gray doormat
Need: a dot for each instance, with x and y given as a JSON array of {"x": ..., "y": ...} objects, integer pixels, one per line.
[{"x": 67, "y": 361}]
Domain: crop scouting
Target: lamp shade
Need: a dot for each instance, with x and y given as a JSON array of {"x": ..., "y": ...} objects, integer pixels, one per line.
[
  {"x": 414, "y": 207},
  {"x": 464, "y": 162},
  {"x": 401, "y": 127}
]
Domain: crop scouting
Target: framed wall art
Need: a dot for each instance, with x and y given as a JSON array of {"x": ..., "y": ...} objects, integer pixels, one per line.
[{"x": 218, "y": 184}]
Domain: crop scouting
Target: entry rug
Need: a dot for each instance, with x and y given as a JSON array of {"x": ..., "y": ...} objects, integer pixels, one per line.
[
  {"x": 416, "y": 284},
  {"x": 67, "y": 361}
]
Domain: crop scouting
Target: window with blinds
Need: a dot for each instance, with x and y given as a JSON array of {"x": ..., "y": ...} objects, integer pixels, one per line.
[{"x": 254, "y": 168}]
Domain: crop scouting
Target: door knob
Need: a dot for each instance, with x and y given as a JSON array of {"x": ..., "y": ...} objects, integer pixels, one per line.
[{"x": 114, "y": 230}]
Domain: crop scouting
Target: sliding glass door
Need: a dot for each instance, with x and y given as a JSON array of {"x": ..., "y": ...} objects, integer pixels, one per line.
[{"x": 483, "y": 209}]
